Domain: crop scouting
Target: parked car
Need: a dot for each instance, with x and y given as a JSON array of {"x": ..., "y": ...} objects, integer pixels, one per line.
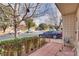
[{"x": 51, "y": 34}]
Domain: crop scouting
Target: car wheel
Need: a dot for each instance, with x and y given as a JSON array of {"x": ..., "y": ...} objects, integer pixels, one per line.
[
  {"x": 54, "y": 37},
  {"x": 40, "y": 36}
]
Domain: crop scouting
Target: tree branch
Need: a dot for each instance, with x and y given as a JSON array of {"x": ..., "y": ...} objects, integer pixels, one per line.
[
  {"x": 33, "y": 11},
  {"x": 3, "y": 12},
  {"x": 25, "y": 12},
  {"x": 33, "y": 6},
  {"x": 10, "y": 6},
  {"x": 41, "y": 13}
]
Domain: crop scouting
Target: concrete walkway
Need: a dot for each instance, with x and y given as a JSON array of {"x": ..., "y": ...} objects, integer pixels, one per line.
[{"x": 53, "y": 49}]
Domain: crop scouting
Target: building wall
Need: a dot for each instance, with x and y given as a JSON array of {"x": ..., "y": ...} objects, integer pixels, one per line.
[
  {"x": 71, "y": 29},
  {"x": 69, "y": 24}
]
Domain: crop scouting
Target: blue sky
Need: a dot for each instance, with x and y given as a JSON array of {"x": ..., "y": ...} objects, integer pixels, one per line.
[
  {"x": 43, "y": 9},
  {"x": 46, "y": 12},
  {"x": 51, "y": 15}
]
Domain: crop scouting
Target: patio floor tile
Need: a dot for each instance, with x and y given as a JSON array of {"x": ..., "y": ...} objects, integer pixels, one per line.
[{"x": 52, "y": 49}]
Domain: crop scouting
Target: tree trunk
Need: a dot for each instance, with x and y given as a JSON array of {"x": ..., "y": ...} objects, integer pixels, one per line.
[
  {"x": 15, "y": 17},
  {"x": 15, "y": 26},
  {"x": 28, "y": 28},
  {"x": 4, "y": 30}
]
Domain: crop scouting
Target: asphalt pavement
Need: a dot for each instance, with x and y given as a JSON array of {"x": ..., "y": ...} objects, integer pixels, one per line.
[{"x": 10, "y": 36}]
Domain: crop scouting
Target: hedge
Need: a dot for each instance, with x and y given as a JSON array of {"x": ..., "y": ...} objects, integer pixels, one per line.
[{"x": 20, "y": 46}]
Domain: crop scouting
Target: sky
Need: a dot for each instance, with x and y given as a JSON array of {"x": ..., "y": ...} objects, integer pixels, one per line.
[
  {"x": 45, "y": 13},
  {"x": 51, "y": 16}
]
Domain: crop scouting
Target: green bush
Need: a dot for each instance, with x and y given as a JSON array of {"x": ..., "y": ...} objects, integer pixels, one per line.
[{"x": 10, "y": 47}]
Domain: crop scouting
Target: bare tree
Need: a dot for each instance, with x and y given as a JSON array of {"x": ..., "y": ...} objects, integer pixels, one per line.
[
  {"x": 16, "y": 14},
  {"x": 29, "y": 10},
  {"x": 58, "y": 26}
]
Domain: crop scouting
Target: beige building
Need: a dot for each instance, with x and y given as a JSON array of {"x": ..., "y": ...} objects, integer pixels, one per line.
[{"x": 70, "y": 15}]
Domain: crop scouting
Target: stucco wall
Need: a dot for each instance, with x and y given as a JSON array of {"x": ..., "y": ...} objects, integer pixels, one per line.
[{"x": 69, "y": 27}]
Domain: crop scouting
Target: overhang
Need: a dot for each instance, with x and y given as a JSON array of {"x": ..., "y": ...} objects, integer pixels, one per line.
[{"x": 67, "y": 8}]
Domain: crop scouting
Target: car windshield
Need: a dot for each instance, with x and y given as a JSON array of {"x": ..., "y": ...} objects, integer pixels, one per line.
[{"x": 48, "y": 32}]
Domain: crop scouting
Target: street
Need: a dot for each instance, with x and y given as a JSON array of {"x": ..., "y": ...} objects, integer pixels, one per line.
[{"x": 11, "y": 35}]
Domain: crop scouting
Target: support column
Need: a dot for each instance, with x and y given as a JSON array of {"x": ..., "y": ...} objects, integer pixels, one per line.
[{"x": 77, "y": 36}]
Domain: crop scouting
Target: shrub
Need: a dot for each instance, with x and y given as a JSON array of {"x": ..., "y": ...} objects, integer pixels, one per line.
[{"x": 10, "y": 47}]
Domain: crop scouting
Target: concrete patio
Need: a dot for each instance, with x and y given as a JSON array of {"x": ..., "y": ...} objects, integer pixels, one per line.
[{"x": 54, "y": 49}]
